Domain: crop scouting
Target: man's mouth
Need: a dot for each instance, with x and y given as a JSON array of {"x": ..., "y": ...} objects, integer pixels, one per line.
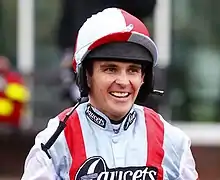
[{"x": 120, "y": 94}]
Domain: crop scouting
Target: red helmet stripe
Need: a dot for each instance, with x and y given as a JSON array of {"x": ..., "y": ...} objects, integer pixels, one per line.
[
  {"x": 118, "y": 36},
  {"x": 138, "y": 26}
]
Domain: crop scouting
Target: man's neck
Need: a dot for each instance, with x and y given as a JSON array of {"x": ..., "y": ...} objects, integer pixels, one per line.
[{"x": 113, "y": 119}]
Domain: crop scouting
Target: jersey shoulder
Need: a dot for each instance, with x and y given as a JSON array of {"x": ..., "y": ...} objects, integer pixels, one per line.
[{"x": 174, "y": 137}]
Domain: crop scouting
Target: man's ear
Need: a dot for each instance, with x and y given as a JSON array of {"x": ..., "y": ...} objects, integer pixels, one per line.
[
  {"x": 142, "y": 78},
  {"x": 88, "y": 79}
]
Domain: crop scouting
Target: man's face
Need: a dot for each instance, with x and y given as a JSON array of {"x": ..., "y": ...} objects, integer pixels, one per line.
[{"x": 114, "y": 87}]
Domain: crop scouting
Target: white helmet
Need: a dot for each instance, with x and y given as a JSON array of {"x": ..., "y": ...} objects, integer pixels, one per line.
[{"x": 112, "y": 25}]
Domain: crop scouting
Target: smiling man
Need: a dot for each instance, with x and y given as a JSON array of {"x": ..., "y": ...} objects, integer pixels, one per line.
[
  {"x": 114, "y": 87},
  {"x": 110, "y": 137}
]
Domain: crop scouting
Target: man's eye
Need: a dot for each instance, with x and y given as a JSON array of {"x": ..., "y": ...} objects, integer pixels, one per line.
[
  {"x": 110, "y": 70},
  {"x": 134, "y": 70}
]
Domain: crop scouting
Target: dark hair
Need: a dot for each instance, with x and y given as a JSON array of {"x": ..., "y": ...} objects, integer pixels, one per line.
[{"x": 88, "y": 66}]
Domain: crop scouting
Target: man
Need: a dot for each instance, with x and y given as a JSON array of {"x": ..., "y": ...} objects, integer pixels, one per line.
[{"x": 110, "y": 137}]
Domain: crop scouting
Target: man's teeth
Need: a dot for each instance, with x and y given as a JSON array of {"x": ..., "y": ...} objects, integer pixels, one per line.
[{"x": 120, "y": 94}]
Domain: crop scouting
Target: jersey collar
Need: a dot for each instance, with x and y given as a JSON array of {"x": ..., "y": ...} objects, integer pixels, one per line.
[{"x": 102, "y": 121}]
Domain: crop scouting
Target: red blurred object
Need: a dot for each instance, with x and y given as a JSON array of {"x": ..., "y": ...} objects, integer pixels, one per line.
[{"x": 13, "y": 94}]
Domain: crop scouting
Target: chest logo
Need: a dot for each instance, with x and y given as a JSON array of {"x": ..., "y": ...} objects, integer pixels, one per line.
[{"x": 95, "y": 168}]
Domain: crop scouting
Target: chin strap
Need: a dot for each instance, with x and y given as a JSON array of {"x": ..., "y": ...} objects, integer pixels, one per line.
[{"x": 62, "y": 124}]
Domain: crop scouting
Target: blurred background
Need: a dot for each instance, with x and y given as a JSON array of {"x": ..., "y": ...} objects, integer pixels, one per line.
[{"x": 36, "y": 80}]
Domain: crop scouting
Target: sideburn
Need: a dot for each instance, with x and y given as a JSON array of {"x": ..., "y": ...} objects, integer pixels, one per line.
[
  {"x": 88, "y": 79},
  {"x": 88, "y": 64}
]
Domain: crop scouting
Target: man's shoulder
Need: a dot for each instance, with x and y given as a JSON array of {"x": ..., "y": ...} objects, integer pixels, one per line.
[
  {"x": 151, "y": 112},
  {"x": 148, "y": 112},
  {"x": 62, "y": 114},
  {"x": 71, "y": 113},
  {"x": 53, "y": 124},
  {"x": 169, "y": 129},
  {"x": 175, "y": 138},
  {"x": 173, "y": 131},
  {"x": 73, "y": 117}
]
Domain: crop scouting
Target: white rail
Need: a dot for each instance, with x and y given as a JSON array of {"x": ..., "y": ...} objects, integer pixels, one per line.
[{"x": 25, "y": 36}]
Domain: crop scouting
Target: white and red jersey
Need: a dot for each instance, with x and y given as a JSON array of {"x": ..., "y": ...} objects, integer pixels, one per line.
[{"x": 143, "y": 147}]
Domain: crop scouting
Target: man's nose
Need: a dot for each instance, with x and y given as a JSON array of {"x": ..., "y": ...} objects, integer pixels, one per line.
[{"x": 122, "y": 79}]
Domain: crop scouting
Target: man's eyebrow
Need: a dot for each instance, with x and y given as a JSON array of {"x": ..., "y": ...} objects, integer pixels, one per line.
[
  {"x": 138, "y": 66},
  {"x": 108, "y": 65}
]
